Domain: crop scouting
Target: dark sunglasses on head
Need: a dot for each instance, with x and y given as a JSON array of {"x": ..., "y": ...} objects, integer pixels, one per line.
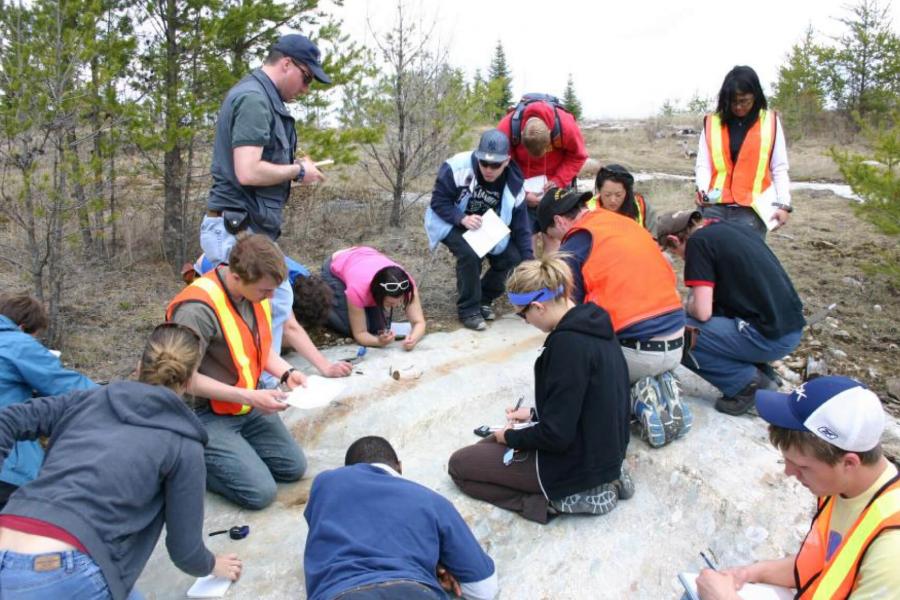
[
  {"x": 392, "y": 287},
  {"x": 490, "y": 165},
  {"x": 307, "y": 76}
]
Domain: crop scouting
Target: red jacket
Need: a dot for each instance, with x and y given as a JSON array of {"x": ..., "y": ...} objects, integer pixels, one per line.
[{"x": 561, "y": 164}]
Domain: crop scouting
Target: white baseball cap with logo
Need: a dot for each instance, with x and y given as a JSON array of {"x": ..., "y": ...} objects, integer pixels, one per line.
[{"x": 839, "y": 410}]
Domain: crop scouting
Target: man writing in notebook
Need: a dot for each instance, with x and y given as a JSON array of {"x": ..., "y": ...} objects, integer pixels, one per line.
[
  {"x": 829, "y": 431},
  {"x": 469, "y": 185}
]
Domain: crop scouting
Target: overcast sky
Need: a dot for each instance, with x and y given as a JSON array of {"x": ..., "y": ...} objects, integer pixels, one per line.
[{"x": 627, "y": 57}]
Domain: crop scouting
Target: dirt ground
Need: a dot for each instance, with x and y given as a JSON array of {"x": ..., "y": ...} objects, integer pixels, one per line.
[{"x": 827, "y": 250}]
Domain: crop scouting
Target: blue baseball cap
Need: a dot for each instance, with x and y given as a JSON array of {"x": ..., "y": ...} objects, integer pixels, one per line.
[
  {"x": 839, "y": 410},
  {"x": 300, "y": 48},
  {"x": 493, "y": 146}
]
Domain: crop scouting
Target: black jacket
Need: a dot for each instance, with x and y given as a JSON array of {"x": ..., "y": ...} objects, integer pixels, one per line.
[
  {"x": 122, "y": 461},
  {"x": 581, "y": 404}
]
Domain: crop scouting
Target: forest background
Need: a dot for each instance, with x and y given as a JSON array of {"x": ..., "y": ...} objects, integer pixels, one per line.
[{"x": 107, "y": 110}]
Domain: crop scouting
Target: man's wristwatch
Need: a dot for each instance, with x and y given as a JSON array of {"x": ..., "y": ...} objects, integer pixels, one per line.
[
  {"x": 785, "y": 207},
  {"x": 286, "y": 374},
  {"x": 301, "y": 174}
]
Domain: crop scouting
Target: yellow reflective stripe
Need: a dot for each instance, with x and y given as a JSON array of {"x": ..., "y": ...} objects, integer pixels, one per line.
[
  {"x": 640, "y": 211},
  {"x": 883, "y": 508},
  {"x": 267, "y": 310},
  {"x": 716, "y": 152},
  {"x": 230, "y": 329},
  {"x": 766, "y": 138},
  {"x": 592, "y": 203}
]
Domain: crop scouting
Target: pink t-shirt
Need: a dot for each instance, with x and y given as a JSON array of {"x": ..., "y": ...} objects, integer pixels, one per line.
[{"x": 356, "y": 267}]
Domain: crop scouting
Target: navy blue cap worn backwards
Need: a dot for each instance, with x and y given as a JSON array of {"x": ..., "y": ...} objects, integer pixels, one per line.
[
  {"x": 493, "y": 147},
  {"x": 301, "y": 49}
]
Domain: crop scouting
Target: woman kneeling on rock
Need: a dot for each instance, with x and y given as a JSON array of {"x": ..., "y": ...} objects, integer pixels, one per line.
[
  {"x": 367, "y": 287},
  {"x": 124, "y": 460},
  {"x": 570, "y": 460}
]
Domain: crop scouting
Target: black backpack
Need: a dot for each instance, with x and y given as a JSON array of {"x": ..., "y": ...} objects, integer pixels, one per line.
[{"x": 515, "y": 125}]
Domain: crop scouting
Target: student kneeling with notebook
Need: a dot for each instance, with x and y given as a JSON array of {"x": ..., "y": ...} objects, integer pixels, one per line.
[
  {"x": 581, "y": 412},
  {"x": 829, "y": 431}
]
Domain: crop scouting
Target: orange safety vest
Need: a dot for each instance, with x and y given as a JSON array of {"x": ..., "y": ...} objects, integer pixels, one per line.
[
  {"x": 743, "y": 182},
  {"x": 625, "y": 273},
  {"x": 594, "y": 202},
  {"x": 249, "y": 348},
  {"x": 817, "y": 579}
]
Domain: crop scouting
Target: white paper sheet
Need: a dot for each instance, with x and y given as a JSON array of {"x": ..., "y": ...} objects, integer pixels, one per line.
[
  {"x": 491, "y": 233},
  {"x": 319, "y": 391},
  {"x": 209, "y": 587},
  {"x": 535, "y": 184},
  {"x": 763, "y": 207},
  {"x": 750, "y": 591},
  {"x": 402, "y": 328}
]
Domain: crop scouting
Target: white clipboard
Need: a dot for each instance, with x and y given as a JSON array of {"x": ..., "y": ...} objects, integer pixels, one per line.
[{"x": 491, "y": 233}]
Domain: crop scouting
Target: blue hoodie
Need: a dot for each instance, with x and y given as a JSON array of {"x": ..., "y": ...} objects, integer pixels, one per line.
[
  {"x": 27, "y": 367},
  {"x": 123, "y": 460}
]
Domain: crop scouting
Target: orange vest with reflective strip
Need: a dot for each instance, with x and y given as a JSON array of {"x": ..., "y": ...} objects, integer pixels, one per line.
[
  {"x": 817, "y": 579},
  {"x": 249, "y": 349},
  {"x": 625, "y": 272},
  {"x": 740, "y": 183},
  {"x": 594, "y": 202}
]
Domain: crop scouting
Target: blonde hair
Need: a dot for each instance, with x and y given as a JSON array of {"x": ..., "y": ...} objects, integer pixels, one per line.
[
  {"x": 536, "y": 137},
  {"x": 548, "y": 272},
  {"x": 171, "y": 356}
]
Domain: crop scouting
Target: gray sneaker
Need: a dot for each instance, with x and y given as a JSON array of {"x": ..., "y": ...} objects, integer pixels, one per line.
[
  {"x": 670, "y": 396},
  {"x": 474, "y": 322},
  {"x": 487, "y": 312},
  {"x": 647, "y": 408},
  {"x": 595, "y": 501},
  {"x": 624, "y": 484}
]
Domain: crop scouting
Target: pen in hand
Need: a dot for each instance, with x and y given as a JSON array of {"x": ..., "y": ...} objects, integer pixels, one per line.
[{"x": 708, "y": 562}]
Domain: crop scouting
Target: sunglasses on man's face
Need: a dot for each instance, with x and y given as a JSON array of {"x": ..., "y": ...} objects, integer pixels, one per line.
[
  {"x": 393, "y": 287},
  {"x": 490, "y": 165},
  {"x": 307, "y": 76}
]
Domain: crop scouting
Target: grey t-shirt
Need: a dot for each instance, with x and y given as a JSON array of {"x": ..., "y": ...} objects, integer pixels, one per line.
[
  {"x": 252, "y": 116},
  {"x": 217, "y": 362}
]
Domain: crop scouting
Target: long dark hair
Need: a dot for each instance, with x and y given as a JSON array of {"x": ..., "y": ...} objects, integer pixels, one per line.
[
  {"x": 740, "y": 80},
  {"x": 619, "y": 174},
  {"x": 391, "y": 274}
]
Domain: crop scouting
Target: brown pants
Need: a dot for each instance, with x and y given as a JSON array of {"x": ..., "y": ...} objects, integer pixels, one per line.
[{"x": 478, "y": 470}]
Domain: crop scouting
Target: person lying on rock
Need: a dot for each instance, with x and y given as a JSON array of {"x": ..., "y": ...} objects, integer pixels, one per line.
[
  {"x": 124, "y": 460},
  {"x": 26, "y": 368},
  {"x": 374, "y": 534},
  {"x": 311, "y": 306},
  {"x": 829, "y": 433},
  {"x": 468, "y": 186},
  {"x": 617, "y": 265},
  {"x": 249, "y": 447},
  {"x": 571, "y": 460},
  {"x": 741, "y": 300},
  {"x": 367, "y": 287}
]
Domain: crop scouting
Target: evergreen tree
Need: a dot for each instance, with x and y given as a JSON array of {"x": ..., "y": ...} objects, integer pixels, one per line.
[
  {"x": 570, "y": 100},
  {"x": 862, "y": 69},
  {"x": 500, "y": 82},
  {"x": 800, "y": 88}
]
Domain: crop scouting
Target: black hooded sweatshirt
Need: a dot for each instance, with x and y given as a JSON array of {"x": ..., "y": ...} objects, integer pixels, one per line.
[
  {"x": 581, "y": 405},
  {"x": 123, "y": 460}
]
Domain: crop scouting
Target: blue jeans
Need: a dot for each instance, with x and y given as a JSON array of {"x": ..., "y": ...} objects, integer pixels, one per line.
[
  {"x": 247, "y": 454},
  {"x": 390, "y": 590},
  {"x": 735, "y": 213},
  {"x": 728, "y": 350},
  {"x": 217, "y": 243},
  {"x": 77, "y": 578}
]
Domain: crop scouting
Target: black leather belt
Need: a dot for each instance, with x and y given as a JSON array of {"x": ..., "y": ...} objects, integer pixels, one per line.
[{"x": 653, "y": 345}]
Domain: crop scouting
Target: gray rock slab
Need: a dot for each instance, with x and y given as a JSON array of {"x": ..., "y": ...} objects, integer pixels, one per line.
[{"x": 722, "y": 487}]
